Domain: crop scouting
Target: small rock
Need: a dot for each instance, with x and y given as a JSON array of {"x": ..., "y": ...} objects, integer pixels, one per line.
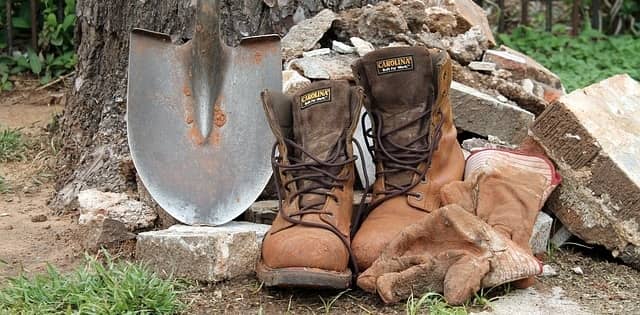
[
  {"x": 541, "y": 233},
  {"x": 262, "y": 212},
  {"x": 4, "y": 215},
  {"x": 482, "y": 66},
  {"x": 548, "y": 271},
  {"x": 305, "y": 35},
  {"x": 47, "y": 227},
  {"x": 362, "y": 46},
  {"x": 381, "y": 22},
  {"x": 316, "y": 52},
  {"x": 95, "y": 205},
  {"x": 292, "y": 82},
  {"x": 441, "y": 21},
  {"x": 39, "y": 218},
  {"x": 527, "y": 85},
  {"x": 203, "y": 253},
  {"x": 414, "y": 14},
  {"x": 577, "y": 270},
  {"x": 502, "y": 98},
  {"x": 324, "y": 67},
  {"x": 467, "y": 47},
  {"x": 561, "y": 236},
  {"x": 342, "y": 48},
  {"x": 106, "y": 231},
  {"x": 430, "y": 40}
]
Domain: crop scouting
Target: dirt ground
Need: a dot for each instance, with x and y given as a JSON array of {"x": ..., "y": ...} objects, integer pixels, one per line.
[{"x": 32, "y": 235}]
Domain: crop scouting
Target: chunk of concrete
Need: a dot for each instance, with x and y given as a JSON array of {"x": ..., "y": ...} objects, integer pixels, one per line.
[
  {"x": 441, "y": 20},
  {"x": 541, "y": 233},
  {"x": 534, "y": 302},
  {"x": 482, "y": 66},
  {"x": 593, "y": 135},
  {"x": 263, "y": 212},
  {"x": 362, "y": 46},
  {"x": 206, "y": 254},
  {"x": 305, "y": 35},
  {"x": 561, "y": 236},
  {"x": 324, "y": 67},
  {"x": 316, "y": 52},
  {"x": 468, "y": 14},
  {"x": 104, "y": 232},
  {"x": 378, "y": 23},
  {"x": 521, "y": 66},
  {"x": 342, "y": 48},
  {"x": 467, "y": 47},
  {"x": 483, "y": 114},
  {"x": 95, "y": 205},
  {"x": 292, "y": 82}
]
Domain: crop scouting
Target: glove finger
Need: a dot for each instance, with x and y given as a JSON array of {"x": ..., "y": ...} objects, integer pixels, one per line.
[
  {"x": 367, "y": 280},
  {"x": 464, "y": 277},
  {"x": 416, "y": 280}
]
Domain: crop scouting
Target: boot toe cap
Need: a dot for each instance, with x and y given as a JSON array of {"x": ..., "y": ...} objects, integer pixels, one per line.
[{"x": 305, "y": 247}]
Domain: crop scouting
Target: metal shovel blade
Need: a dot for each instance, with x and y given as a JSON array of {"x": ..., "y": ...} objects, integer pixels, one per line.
[{"x": 197, "y": 132}]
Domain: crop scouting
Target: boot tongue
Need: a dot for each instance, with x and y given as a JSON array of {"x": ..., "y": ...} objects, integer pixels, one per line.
[
  {"x": 321, "y": 116},
  {"x": 401, "y": 86}
]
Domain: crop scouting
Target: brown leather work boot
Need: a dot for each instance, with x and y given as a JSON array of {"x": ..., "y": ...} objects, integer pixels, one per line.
[
  {"x": 309, "y": 242},
  {"x": 414, "y": 141}
]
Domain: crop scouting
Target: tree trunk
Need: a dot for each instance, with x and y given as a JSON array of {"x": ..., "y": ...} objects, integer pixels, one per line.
[{"x": 93, "y": 130}]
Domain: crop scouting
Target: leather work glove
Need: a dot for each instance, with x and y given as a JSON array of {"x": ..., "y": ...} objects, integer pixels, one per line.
[
  {"x": 479, "y": 240},
  {"x": 505, "y": 189}
]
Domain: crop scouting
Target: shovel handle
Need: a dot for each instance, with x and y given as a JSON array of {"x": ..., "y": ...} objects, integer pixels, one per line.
[{"x": 207, "y": 71}]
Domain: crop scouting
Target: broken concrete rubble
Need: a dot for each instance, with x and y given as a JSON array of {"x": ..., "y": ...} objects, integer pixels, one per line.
[
  {"x": 483, "y": 114},
  {"x": 593, "y": 135},
  {"x": 332, "y": 66},
  {"x": 104, "y": 232},
  {"x": 362, "y": 46},
  {"x": 468, "y": 14},
  {"x": 467, "y": 47},
  {"x": 292, "y": 81},
  {"x": 541, "y": 233},
  {"x": 305, "y": 35},
  {"x": 377, "y": 24},
  {"x": 206, "y": 254},
  {"x": 95, "y": 205},
  {"x": 521, "y": 66},
  {"x": 441, "y": 21},
  {"x": 342, "y": 48}
]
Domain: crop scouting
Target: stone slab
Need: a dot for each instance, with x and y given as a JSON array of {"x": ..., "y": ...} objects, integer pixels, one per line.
[
  {"x": 534, "y": 302},
  {"x": 208, "y": 254},
  {"x": 593, "y": 135},
  {"x": 483, "y": 114},
  {"x": 305, "y": 35}
]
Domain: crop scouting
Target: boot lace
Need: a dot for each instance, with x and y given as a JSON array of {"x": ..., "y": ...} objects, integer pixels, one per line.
[
  {"x": 398, "y": 158},
  {"x": 318, "y": 172}
]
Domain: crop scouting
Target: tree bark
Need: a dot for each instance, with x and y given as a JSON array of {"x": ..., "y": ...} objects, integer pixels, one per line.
[{"x": 93, "y": 129}]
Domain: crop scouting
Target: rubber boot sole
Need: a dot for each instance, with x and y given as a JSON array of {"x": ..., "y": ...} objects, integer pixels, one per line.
[{"x": 303, "y": 277}]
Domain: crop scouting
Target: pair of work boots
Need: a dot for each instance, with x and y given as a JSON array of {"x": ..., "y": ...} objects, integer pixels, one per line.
[{"x": 415, "y": 149}]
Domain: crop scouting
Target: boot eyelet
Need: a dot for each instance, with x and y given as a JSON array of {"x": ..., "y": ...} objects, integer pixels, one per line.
[
  {"x": 423, "y": 180},
  {"x": 419, "y": 196}
]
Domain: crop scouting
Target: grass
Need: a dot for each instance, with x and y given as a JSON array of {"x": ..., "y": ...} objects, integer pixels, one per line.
[
  {"x": 12, "y": 145},
  {"x": 434, "y": 303},
  {"x": 578, "y": 61},
  {"x": 94, "y": 288},
  {"x": 328, "y": 304}
]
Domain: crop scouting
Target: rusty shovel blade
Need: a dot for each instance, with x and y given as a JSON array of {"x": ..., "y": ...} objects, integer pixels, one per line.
[{"x": 197, "y": 132}]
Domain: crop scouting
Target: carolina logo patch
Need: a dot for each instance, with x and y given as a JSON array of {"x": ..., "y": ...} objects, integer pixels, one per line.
[
  {"x": 396, "y": 64},
  {"x": 315, "y": 97}
]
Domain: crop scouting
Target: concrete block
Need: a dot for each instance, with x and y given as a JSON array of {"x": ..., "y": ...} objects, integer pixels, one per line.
[
  {"x": 483, "y": 114},
  {"x": 593, "y": 135},
  {"x": 541, "y": 233},
  {"x": 96, "y": 205},
  {"x": 207, "y": 254}
]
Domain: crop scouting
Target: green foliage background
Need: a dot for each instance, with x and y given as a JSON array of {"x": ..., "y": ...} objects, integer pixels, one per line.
[
  {"x": 55, "y": 53},
  {"x": 581, "y": 60}
]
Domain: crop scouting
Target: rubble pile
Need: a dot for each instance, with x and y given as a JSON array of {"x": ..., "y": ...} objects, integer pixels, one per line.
[{"x": 508, "y": 85}]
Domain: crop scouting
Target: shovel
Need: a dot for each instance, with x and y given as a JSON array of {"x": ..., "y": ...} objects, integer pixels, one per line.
[{"x": 196, "y": 129}]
